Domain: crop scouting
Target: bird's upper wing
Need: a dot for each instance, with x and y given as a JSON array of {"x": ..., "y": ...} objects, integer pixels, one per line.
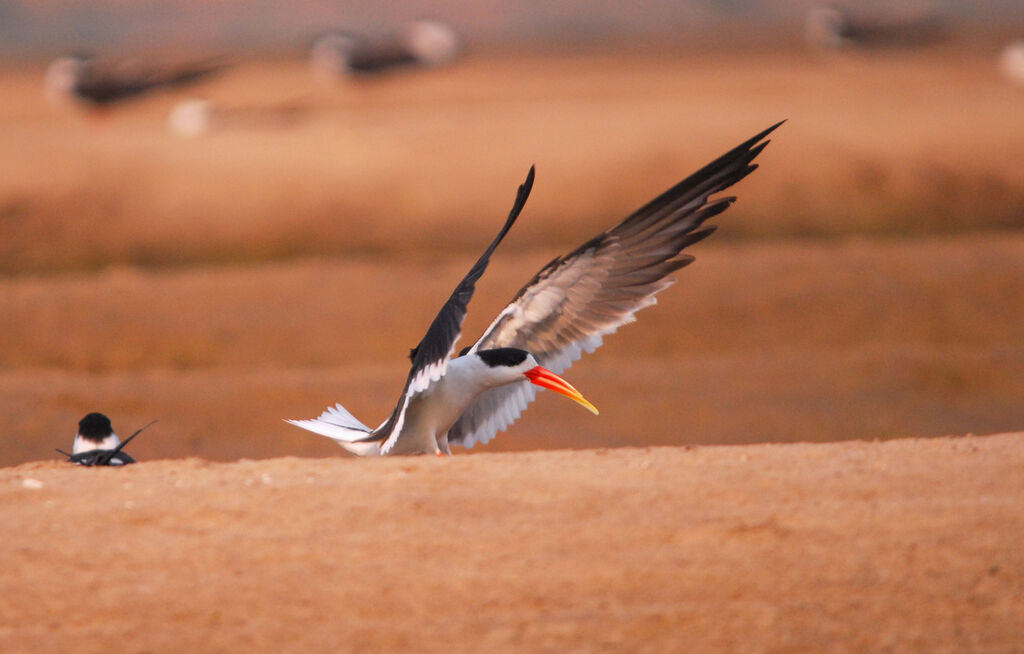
[
  {"x": 430, "y": 357},
  {"x": 575, "y": 300}
]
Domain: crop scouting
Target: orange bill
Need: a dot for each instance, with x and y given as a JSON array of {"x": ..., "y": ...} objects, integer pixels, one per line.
[{"x": 546, "y": 379}]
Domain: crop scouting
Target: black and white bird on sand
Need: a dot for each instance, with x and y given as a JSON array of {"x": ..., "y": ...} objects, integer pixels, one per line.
[
  {"x": 96, "y": 444},
  {"x": 79, "y": 80},
  {"x": 564, "y": 311}
]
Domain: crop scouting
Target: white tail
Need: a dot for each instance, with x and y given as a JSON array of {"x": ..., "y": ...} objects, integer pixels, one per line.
[{"x": 343, "y": 428}]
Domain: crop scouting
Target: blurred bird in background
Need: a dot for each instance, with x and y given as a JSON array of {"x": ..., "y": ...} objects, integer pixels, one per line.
[
  {"x": 80, "y": 81},
  {"x": 423, "y": 43},
  {"x": 839, "y": 27}
]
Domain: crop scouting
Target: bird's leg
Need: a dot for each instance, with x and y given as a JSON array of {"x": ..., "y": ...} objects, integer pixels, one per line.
[{"x": 442, "y": 446}]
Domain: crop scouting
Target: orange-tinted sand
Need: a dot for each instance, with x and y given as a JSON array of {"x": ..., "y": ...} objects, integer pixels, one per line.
[{"x": 907, "y": 545}]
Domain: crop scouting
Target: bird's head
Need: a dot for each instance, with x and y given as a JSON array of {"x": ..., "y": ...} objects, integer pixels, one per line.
[
  {"x": 826, "y": 27},
  {"x": 330, "y": 55},
  {"x": 432, "y": 42},
  {"x": 63, "y": 76},
  {"x": 505, "y": 365},
  {"x": 95, "y": 426}
]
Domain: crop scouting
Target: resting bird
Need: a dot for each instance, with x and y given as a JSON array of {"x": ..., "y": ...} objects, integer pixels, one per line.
[
  {"x": 423, "y": 43},
  {"x": 836, "y": 27},
  {"x": 80, "y": 80},
  {"x": 565, "y": 310},
  {"x": 96, "y": 444}
]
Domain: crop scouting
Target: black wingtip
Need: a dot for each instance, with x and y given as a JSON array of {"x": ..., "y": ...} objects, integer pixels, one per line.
[
  {"x": 525, "y": 188},
  {"x": 754, "y": 144},
  {"x": 522, "y": 195},
  {"x": 770, "y": 129},
  {"x": 127, "y": 440}
]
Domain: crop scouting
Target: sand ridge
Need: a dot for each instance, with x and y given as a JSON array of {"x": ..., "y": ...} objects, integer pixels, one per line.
[{"x": 905, "y": 545}]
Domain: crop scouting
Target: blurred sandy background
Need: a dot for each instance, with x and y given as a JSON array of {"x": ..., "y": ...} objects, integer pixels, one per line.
[{"x": 868, "y": 284}]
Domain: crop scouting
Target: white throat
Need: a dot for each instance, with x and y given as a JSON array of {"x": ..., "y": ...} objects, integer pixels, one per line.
[{"x": 84, "y": 445}]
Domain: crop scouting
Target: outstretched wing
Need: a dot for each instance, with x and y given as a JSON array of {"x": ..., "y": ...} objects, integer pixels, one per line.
[
  {"x": 430, "y": 357},
  {"x": 577, "y": 299}
]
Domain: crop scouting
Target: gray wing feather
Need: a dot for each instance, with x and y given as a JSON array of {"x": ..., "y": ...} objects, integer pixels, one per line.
[{"x": 568, "y": 308}]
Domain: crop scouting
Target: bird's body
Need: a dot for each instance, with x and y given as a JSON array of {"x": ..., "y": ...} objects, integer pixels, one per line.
[
  {"x": 423, "y": 43},
  {"x": 433, "y": 412},
  {"x": 97, "y": 444},
  {"x": 81, "y": 81},
  {"x": 83, "y": 444},
  {"x": 564, "y": 311},
  {"x": 837, "y": 27}
]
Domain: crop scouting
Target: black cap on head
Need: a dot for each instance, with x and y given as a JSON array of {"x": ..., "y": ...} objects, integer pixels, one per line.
[
  {"x": 503, "y": 356},
  {"x": 95, "y": 426}
]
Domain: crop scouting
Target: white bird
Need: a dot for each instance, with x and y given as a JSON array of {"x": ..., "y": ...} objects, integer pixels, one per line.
[
  {"x": 565, "y": 310},
  {"x": 1012, "y": 61},
  {"x": 195, "y": 117}
]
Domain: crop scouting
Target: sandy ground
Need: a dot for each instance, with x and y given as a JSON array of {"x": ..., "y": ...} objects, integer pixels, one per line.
[{"x": 900, "y": 546}]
